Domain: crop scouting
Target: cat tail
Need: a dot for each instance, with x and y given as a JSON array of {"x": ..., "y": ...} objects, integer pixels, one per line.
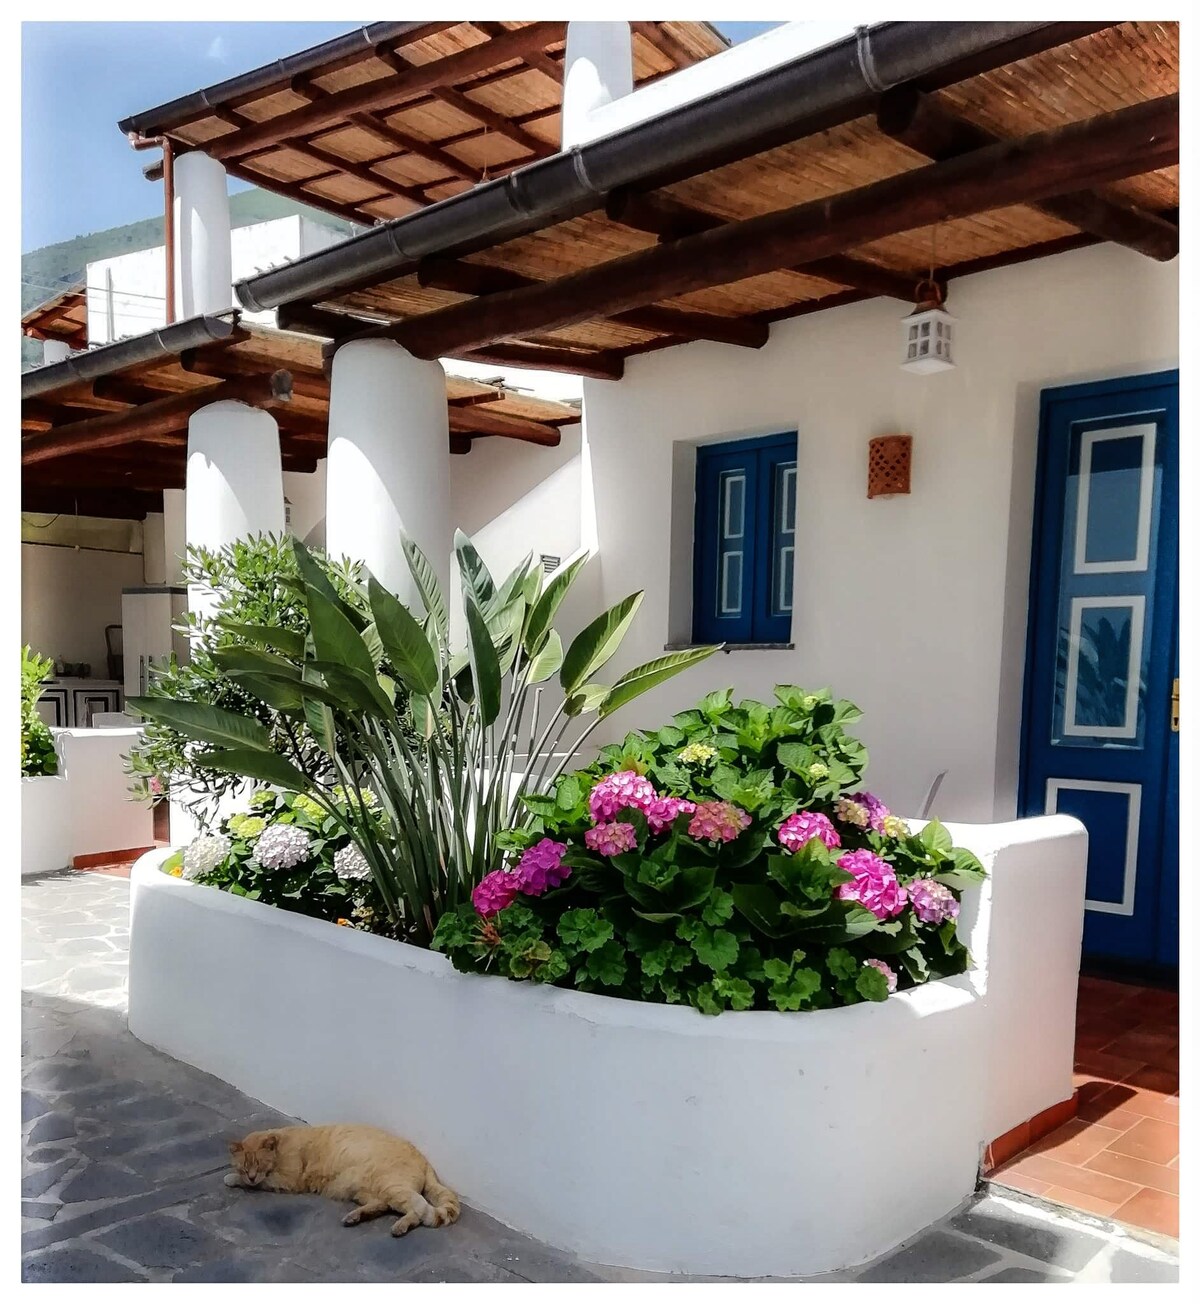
[{"x": 443, "y": 1201}]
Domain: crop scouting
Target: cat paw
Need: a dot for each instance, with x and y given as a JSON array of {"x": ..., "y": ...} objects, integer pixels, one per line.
[
  {"x": 402, "y": 1226},
  {"x": 232, "y": 1179},
  {"x": 352, "y": 1218}
]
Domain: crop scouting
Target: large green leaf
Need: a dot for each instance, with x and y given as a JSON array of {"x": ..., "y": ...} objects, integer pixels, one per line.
[
  {"x": 404, "y": 641},
  {"x": 320, "y": 723},
  {"x": 288, "y": 641},
  {"x": 265, "y": 767},
  {"x": 476, "y": 578},
  {"x": 652, "y": 673},
  {"x": 541, "y": 617},
  {"x": 363, "y": 691},
  {"x": 335, "y": 638},
  {"x": 315, "y": 579},
  {"x": 426, "y": 580},
  {"x": 548, "y": 659},
  {"x": 206, "y": 724},
  {"x": 513, "y": 586},
  {"x": 485, "y": 664},
  {"x": 279, "y": 693},
  {"x": 594, "y": 644},
  {"x": 587, "y": 699},
  {"x": 235, "y": 659}
]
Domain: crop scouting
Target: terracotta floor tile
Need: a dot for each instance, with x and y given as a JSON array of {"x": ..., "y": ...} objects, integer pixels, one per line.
[
  {"x": 1154, "y": 1210},
  {"x": 1107, "y": 988},
  {"x": 1163, "y": 1081},
  {"x": 1157, "y": 1048},
  {"x": 1020, "y": 1182},
  {"x": 1076, "y": 1141},
  {"x": 1103, "y": 1064},
  {"x": 1080, "y": 1200},
  {"x": 1157, "y": 1176},
  {"x": 1149, "y": 1104},
  {"x": 1150, "y": 1139},
  {"x": 1085, "y": 1180},
  {"x": 1110, "y": 1114}
]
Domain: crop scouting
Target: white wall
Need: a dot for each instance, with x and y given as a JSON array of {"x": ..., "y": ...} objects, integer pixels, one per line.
[
  {"x": 69, "y": 595},
  {"x": 137, "y": 302},
  {"x": 914, "y": 607}
]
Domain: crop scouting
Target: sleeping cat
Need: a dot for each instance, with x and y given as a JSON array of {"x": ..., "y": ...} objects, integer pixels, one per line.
[{"x": 347, "y": 1162}]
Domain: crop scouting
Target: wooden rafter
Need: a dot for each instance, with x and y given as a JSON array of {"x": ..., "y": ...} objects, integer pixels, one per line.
[
  {"x": 1104, "y": 149},
  {"x": 928, "y": 128}
]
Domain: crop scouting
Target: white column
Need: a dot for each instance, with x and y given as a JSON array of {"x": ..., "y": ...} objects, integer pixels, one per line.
[
  {"x": 203, "y": 269},
  {"x": 234, "y": 479},
  {"x": 388, "y": 469},
  {"x": 174, "y": 534},
  {"x": 597, "y": 69},
  {"x": 55, "y": 351}
]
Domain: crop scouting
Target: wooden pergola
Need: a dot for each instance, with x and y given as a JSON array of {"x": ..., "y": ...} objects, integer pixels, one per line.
[
  {"x": 104, "y": 433},
  {"x": 62, "y": 317},
  {"x": 1064, "y": 136}
]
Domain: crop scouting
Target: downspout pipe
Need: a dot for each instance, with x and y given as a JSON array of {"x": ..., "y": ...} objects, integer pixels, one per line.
[
  {"x": 826, "y": 86},
  {"x": 168, "y": 175}
]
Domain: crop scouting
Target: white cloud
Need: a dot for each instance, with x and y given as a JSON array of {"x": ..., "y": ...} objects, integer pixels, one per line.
[{"x": 218, "y": 49}]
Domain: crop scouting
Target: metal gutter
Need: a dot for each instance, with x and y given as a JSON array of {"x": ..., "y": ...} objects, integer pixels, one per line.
[
  {"x": 154, "y": 122},
  {"x": 171, "y": 341},
  {"x": 826, "y": 85}
]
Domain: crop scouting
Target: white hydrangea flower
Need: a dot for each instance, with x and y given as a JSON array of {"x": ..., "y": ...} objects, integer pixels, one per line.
[
  {"x": 349, "y": 862},
  {"x": 205, "y": 853},
  {"x": 281, "y": 846}
]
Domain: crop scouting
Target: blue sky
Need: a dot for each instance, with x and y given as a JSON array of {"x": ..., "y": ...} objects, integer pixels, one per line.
[{"x": 78, "y": 79}]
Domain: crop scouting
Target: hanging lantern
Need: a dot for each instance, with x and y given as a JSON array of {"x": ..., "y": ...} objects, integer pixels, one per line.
[{"x": 928, "y": 332}]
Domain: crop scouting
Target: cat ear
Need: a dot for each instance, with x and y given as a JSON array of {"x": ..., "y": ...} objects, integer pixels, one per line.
[
  {"x": 235, "y": 1147},
  {"x": 270, "y": 1141}
]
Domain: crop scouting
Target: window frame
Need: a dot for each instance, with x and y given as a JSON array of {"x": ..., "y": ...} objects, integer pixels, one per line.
[{"x": 758, "y": 460}]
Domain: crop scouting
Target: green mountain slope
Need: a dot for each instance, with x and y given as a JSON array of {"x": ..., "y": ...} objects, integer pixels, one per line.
[{"x": 48, "y": 271}]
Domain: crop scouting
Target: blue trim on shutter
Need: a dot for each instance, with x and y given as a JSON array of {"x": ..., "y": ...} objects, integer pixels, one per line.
[{"x": 756, "y": 620}]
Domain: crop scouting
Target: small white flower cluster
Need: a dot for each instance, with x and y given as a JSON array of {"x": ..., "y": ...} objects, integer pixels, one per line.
[
  {"x": 205, "y": 853},
  {"x": 349, "y": 862},
  {"x": 281, "y": 846}
]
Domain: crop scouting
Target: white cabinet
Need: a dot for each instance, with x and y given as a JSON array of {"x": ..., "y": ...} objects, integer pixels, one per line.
[{"x": 148, "y": 635}]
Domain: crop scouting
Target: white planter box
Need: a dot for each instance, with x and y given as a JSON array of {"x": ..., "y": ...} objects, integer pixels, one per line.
[
  {"x": 647, "y": 1136},
  {"x": 45, "y": 828}
]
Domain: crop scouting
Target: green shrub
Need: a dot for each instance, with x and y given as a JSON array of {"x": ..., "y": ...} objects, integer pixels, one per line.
[
  {"x": 722, "y": 862},
  {"x": 38, "y": 753}
]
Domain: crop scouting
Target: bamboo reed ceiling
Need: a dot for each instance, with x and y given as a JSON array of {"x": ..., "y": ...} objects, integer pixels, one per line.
[
  {"x": 64, "y": 318},
  {"x": 1107, "y": 68},
  {"x": 122, "y": 466},
  {"x": 488, "y": 101}
]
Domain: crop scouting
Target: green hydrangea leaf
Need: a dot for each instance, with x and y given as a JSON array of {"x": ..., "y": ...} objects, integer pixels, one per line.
[
  {"x": 934, "y": 837},
  {"x": 718, "y": 909}
]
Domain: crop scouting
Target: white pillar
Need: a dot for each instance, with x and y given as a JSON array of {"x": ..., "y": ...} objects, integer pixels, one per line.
[
  {"x": 597, "y": 69},
  {"x": 203, "y": 267},
  {"x": 234, "y": 479},
  {"x": 174, "y": 534},
  {"x": 55, "y": 351},
  {"x": 388, "y": 466}
]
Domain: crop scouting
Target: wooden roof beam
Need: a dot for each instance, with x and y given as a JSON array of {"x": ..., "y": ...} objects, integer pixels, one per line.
[
  {"x": 306, "y": 382},
  {"x": 387, "y": 92},
  {"x": 478, "y": 279},
  {"x": 928, "y": 128},
  {"x": 478, "y": 421},
  {"x": 120, "y": 505},
  {"x": 475, "y": 400},
  {"x": 152, "y": 420},
  {"x": 666, "y": 44},
  {"x": 596, "y": 364},
  {"x": 669, "y": 219},
  {"x": 1103, "y": 149}
]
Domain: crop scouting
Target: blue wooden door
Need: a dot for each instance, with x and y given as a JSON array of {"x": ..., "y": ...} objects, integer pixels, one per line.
[{"x": 1098, "y": 740}]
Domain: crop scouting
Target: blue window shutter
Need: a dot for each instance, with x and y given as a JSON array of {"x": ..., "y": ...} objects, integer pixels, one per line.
[{"x": 744, "y": 556}]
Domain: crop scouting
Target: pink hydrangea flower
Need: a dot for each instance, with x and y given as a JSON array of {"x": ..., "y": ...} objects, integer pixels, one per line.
[
  {"x": 877, "y": 812},
  {"x": 888, "y": 972},
  {"x": 718, "y": 821},
  {"x": 541, "y": 867},
  {"x": 616, "y": 792},
  {"x": 155, "y": 785},
  {"x": 799, "y": 829},
  {"x": 662, "y": 811},
  {"x": 874, "y": 884},
  {"x": 611, "y": 839},
  {"x": 493, "y": 892},
  {"x": 932, "y": 902}
]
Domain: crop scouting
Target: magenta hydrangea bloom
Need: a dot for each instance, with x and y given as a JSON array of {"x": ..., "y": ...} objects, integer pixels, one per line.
[
  {"x": 888, "y": 972},
  {"x": 541, "y": 867},
  {"x": 718, "y": 821},
  {"x": 662, "y": 811},
  {"x": 932, "y": 903},
  {"x": 617, "y": 792},
  {"x": 799, "y": 829},
  {"x": 493, "y": 892},
  {"x": 612, "y": 838},
  {"x": 874, "y": 884},
  {"x": 877, "y": 812}
]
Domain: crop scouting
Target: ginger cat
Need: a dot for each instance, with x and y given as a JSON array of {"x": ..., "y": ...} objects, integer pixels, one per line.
[{"x": 380, "y": 1172}]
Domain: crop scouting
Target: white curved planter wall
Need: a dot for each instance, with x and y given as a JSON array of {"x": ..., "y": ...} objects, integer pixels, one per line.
[{"x": 642, "y": 1135}]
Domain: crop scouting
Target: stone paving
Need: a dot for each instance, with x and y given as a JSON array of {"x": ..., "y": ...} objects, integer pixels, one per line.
[{"x": 124, "y": 1150}]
